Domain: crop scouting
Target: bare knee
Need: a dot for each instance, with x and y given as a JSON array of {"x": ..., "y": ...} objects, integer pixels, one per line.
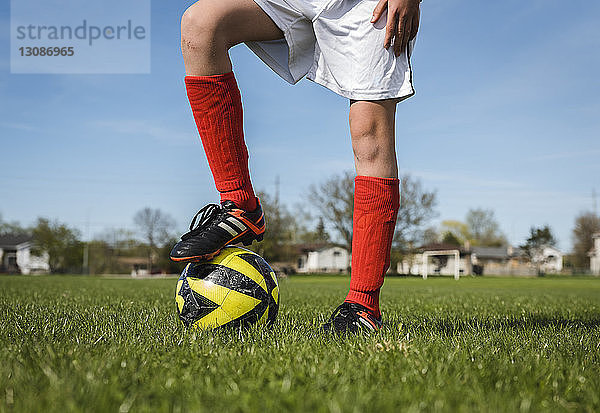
[
  {"x": 366, "y": 139},
  {"x": 201, "y": 28},
  {"x": 373, "y": 141}
]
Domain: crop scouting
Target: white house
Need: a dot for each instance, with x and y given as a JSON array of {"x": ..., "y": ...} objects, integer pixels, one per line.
[
  {"x": 506, "y": 260},
  {"x": 436, "y": 264},
  {"x": 323, "y": 258},
  {"x": 16, "y": 256},
  {"x": 595, "y": 255},
  {"x": 551, "y": 260}
]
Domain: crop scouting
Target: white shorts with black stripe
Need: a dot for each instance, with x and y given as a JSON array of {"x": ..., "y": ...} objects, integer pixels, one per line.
[{"x": 333, "y": 43}]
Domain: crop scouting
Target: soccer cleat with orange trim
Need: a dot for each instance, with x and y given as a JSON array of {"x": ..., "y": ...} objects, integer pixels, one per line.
[
  {"x": 351, "y": 318},
  {"x": 216, "y": 226}
]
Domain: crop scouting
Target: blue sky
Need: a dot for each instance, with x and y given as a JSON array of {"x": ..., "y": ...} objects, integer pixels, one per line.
[{"x": 506, "y": 117}]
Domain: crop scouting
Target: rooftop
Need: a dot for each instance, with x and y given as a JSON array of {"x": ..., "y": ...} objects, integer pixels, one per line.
[{"x": 13, "y": 240}]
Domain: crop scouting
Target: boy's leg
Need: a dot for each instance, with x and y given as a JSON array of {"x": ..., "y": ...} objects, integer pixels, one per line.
[
  {"x": 376, "y": 198},
  {"x": 376, "y": 203},
  {"x": 372, "y": 129},
  {"x": 208, "y": 29}
]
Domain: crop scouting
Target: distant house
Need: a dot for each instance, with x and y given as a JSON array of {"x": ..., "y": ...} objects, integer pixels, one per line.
[
  {"x": 438, "y": 264},
  {"x": 329, "y": 258},
  {"x": 595, "y": 255},
  {"x": 16, "y": 256},
  {"x": 551, "y": 260},
  {"x": 505, "y": 260},
  {"x": 138, "y": 265}
]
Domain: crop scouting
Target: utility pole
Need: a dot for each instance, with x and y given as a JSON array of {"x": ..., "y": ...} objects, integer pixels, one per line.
[
  {"x": 277, "y": 215},
  {"x": 86, "y": 246},
  {"x": 277, "y": 191},
  {"x": 594, "y": 202}
]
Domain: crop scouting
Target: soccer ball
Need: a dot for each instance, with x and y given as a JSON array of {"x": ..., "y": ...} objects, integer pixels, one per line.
[{"x": 237, "y": 288}]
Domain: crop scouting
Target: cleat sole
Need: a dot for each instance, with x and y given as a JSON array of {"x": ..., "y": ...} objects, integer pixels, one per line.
[
  {"x": 247, "y": 241},
  {"x": 196, "y": 258}
]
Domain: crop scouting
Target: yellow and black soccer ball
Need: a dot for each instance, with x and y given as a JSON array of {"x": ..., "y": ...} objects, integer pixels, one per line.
[{"x": 237, "y": 288}]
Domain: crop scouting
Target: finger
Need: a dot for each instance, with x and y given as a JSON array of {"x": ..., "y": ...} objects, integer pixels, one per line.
[
  {"x": 379, "y": 9},
  {"x": 415, "y": 25},
  {"x": 390, "y": 30},
  {"x": 404, "y": 31},
  {"x": 397, "y": 41},
  {"x": 407, "y": 34}
]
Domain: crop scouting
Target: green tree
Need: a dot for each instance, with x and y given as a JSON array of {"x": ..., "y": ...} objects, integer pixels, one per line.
[
  {"x": 164, "y": 261},
  {"x": 318, "y": 235},
  {"x": 100, "y": 257},
  {"x": 60, "y": 243},
  {"x": 13, "y": 228},
  {"x": 451, "y": 239},
  {"x": 109, "y": 247},
  {"x": 109, "y": 251},
  {"x": 280, "y": 235},
  {"x": 534, "y": 246},
  {"x": 586, "y": 225},
  {"x": 456, "y": 230}
]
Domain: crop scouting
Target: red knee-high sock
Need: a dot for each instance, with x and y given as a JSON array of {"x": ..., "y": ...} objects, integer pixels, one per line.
[
  {"x": 376, "y": 203},
  {"x": 217, "y": 107}
]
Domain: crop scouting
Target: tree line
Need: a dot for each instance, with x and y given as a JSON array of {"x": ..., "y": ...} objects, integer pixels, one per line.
[
  {"x": 325, "y": 218},
  {"x": 110, "y": 252}
]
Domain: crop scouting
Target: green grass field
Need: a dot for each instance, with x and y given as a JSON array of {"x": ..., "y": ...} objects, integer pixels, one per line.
[{"x": 478, "y": 344}]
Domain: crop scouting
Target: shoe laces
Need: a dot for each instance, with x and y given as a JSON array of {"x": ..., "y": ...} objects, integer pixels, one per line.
[
  {"x": 345, "y": 310},
  {"x": 203, "y": 218}
]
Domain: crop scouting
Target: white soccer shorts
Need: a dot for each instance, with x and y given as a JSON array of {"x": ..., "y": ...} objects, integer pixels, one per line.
[{"x": 334, "y": 44}]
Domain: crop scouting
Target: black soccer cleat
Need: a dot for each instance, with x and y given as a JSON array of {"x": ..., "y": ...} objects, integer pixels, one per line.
[
  {"x": 351, "y": 318},
  {"x": 216, "y": 226}
]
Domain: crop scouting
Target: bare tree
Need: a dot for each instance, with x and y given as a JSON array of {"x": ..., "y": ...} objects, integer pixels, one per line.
[
  {"x": 119, "y": 238},
  {"x": 334, "y": 199},
  {"x": 431, "y": 235},
  {"x": 155, "y": 227},
  {"x": 480, "y": 228},
  {"x": 483, "y": 228},
  {"x": 586, "y": 224},
  {"x": 417, "y": 208}
]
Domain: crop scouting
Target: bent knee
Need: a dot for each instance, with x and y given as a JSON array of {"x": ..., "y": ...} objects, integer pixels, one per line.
[{"x": 200, "y": 24}]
